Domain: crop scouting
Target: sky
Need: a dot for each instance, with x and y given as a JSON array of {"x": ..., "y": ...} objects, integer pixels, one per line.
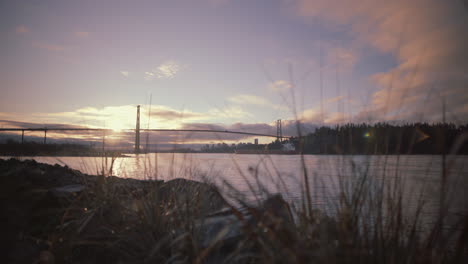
[{"x": 232, "y": 64}]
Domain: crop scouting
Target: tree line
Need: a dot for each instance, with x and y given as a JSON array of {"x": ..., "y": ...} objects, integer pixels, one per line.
[{"x": 384, "y": 138}]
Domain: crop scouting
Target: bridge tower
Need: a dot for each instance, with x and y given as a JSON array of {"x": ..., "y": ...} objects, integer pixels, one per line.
[
  {"x": 137, "y": 132},
  {"x": 279, "y": 131}
]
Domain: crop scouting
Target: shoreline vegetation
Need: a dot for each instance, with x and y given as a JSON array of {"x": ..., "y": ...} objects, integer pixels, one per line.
[
  {"x": 364, "y": 139},
  {"x": 53, "y": 214},
  {"x": 348, "y": 139}
]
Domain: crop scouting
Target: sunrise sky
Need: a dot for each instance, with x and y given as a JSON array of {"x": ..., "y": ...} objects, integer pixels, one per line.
[{"x": 233, "y": 64}]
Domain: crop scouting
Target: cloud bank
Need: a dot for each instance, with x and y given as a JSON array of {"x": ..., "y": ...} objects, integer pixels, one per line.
[{"x": 428, "y": 38}]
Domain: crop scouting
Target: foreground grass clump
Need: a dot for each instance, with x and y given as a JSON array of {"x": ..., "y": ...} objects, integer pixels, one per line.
[{"x": 105, "y": 219}]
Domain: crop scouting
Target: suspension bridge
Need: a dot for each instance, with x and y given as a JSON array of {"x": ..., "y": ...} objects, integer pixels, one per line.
[{"x": 279, "y": 135}]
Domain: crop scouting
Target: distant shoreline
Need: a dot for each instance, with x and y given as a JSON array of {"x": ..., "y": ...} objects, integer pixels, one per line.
[
  {"x": 132, "y": 155},
  {"x": 64, "y": 155}
]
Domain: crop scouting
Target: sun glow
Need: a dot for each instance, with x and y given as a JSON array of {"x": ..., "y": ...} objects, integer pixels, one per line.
[
  {"x": 118, "y": 125},
  {"x": 117, "y": 128}
]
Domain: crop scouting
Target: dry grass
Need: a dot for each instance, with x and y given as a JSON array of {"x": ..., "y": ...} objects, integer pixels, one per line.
[{"x": 369, "y": 224}]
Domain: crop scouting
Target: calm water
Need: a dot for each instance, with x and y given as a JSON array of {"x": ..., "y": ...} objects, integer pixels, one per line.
[{"x": 254, "y": 175}]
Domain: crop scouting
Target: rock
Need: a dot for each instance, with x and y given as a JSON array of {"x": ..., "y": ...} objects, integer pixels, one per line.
[
  {"x": 67, "y": 191},
  {"x": 220, "y": 233},
  {"x": 39, "y": 201},
  {"x": 224, "y": 230},
  {"x": 190, "y": 197},
  {"x": 217, "y": 228}
]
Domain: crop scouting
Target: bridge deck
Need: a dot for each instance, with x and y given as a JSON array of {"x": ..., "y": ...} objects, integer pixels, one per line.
[{"x": 149, "y": 130}]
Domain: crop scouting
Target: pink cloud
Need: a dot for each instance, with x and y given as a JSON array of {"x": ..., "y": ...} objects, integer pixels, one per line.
[
  {"x": 81, "y": 34},
  {"x": 343, "y": 58},
  {"x": 22, "y": 29},
  {"x": 428, "y": 38},
  {"x": 49, "y": 47}
]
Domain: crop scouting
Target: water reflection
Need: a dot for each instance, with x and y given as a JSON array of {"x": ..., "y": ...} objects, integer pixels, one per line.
[{"x": 254, "y": 175}]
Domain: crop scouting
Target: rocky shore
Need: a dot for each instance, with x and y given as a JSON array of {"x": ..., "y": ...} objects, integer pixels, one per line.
[{"x": 53, "y": 214}]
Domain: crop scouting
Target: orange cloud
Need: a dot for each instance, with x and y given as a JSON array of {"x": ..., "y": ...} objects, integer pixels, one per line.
[
  {"x": 22, "y": 29},
  {"x": 81, "y": 34},
  {"x": 343, "y": 58},
  {"x": 124, "y": 116},
  {"x": 428, "y": 39},
  {"x": 49, "y": 47}
]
